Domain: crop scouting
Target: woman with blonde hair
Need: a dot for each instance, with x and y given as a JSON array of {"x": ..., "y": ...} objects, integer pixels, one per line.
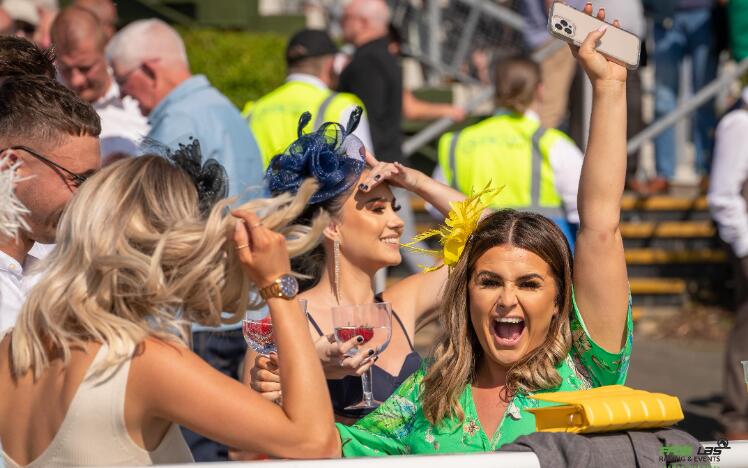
[
  {"x": 97, "y": 372},
  {"x": 521, "y": 316}
]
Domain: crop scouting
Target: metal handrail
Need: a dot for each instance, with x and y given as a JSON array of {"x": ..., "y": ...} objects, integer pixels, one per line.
[{"x": 689, "y": 106}]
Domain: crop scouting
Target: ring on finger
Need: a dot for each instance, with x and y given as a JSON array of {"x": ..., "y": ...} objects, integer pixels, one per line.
[
  {"x": 256, "y": 225},
  {"x": 243, "y": 246}
]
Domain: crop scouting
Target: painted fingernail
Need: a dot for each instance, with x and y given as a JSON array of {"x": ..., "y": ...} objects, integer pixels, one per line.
[
  {"x": 371, "y": 351},
  {"x": 360, "y": 339},
  {"x": 602, "y": 28},
  {"x": 377, "y": 177},
  {"x": 375, "y": 359}
]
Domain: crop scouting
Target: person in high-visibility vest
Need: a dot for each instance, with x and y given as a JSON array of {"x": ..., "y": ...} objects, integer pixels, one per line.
[
  {"x": 538, "y": 167},
  {"x": 274, "y": 117}
]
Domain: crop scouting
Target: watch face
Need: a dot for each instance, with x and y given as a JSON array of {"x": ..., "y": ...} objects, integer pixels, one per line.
[{"x": 289, "y": 287}]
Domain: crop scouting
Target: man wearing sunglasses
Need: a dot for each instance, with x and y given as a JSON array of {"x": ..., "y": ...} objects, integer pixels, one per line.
[{"x": 54, "y": 135}]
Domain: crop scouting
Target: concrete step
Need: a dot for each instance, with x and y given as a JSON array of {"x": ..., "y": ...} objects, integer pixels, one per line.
[
  {"x": 657, "y": 286},
  {"x": 663, "y": 203},
  {"x": 657, "y": 208},
  {"x": 670, "y": 235},
  {"x": 663, "y": 208},
  {"x": 668, "y": 229},
  {"x": 661, "y": 256},
  {"x": 658, "y": 291}
]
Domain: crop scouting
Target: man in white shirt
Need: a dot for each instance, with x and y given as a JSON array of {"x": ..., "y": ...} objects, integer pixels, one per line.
[
  {"x": 80, "y": 43},
  {"x": 729, "y": 208},
  {"x": 54, "y": 135}
]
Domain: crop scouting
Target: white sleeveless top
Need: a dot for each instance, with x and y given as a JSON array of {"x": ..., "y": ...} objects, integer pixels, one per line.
[{"x": 93, "y": 432}]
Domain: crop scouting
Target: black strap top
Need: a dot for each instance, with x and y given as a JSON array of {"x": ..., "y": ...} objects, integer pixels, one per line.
[{"x": 347, "y": 391}]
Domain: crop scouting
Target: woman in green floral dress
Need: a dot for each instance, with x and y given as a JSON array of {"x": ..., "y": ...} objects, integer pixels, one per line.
[{"x": 518, "y": 319}]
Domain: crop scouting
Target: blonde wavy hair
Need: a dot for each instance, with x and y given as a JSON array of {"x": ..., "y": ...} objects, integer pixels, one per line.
[
  {"x": 454, "y": 357},
  {"x": 135, "y": 258}
]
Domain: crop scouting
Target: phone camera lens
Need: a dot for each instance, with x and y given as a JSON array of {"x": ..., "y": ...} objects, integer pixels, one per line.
[
  {"x": 559, "y": 27},
  {"x": 568, "y": 30},
  {"x": 564, "y": 22}
]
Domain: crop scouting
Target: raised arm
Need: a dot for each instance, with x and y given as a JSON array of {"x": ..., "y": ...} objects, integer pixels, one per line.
[
  {"x": 600, "y": 277},
  {"x": 418, "y": 294}
]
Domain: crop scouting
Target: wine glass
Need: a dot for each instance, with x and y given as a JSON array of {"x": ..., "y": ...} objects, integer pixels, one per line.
[
  {"x": 373, "y": 322},
  {"x": 257, "y": 328}
]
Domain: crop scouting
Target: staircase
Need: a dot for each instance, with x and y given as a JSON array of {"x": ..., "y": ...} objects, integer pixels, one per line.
[{"x": 672, "y": 251}]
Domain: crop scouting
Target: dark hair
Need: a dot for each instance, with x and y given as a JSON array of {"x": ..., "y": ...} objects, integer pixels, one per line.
[
  {"x": 19, "y": 56},
  {"x": 517, "y": 81},
  {"x": 458, "y": 350},
  {"x": 37, "y": 109}
]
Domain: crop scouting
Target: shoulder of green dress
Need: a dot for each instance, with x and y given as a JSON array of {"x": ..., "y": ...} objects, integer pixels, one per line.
[{"x": 590, "y": 360}]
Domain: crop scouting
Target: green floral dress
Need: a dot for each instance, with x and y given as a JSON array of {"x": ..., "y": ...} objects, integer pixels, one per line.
[{"x": 399, "y": 426}]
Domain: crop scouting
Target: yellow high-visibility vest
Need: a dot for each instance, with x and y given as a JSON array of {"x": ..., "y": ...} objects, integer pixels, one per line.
[
  {"x": 510, "y": 150},
  {"x": 274, "y": 118}
]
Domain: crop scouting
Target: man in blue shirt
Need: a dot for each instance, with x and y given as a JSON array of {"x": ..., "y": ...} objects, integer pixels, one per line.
[{"x": 150, "y": 64}]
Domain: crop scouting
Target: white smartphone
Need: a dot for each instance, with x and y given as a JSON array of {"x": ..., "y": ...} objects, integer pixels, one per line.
[{"x": 573, "y": 26}]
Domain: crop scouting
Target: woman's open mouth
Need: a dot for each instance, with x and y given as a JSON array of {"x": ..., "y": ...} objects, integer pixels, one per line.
[{"x": 507, "y": 331}]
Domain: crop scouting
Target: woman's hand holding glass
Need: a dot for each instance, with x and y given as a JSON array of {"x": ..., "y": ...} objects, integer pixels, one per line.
[
  {"x": 336, "y": 360},
  {"x": 265, "y": 376}
]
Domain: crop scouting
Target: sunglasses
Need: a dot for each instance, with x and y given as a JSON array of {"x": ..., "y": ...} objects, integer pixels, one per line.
[{"x": 75, "y": 178}]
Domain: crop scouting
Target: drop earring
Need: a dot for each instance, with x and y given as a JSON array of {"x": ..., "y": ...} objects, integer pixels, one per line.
[{"x": 336, "y": 258}]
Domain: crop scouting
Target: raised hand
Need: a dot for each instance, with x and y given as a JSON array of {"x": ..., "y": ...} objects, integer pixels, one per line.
[
  {"x": 598, "y": 68},
  {"x": 262, "y": 251},
  {"x": 394, "y": 173}
]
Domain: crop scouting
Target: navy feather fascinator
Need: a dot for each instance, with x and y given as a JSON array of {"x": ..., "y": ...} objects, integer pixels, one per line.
[{"x": 331, "y": 155}]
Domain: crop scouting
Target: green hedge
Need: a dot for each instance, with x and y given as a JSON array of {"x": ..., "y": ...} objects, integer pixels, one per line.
[{"x": 243, "y": 65}]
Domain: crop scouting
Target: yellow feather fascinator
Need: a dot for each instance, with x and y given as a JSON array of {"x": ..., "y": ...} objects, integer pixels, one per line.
[{"x": 461, "y": 221}]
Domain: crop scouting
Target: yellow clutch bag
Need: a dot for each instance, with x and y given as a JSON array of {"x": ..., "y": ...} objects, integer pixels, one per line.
[{"x": 602, "y": 409}]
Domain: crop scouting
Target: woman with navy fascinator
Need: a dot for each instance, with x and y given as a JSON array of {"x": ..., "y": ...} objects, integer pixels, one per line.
[{"x": 363, "y": 236}]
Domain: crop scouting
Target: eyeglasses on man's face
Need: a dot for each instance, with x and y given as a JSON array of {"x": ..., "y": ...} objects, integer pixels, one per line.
[{"x": 69, "y": 176}]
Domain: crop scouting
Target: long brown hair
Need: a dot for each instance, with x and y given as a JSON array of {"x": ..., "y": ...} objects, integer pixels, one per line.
[{"x": 455, "y": 356}]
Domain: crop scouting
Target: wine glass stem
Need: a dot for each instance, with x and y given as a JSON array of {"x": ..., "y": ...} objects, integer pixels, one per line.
[{"x": 366, "y": 387}]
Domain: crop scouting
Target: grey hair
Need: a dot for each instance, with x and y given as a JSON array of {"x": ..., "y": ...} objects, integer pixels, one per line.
[{"x": 145, "y": 40}]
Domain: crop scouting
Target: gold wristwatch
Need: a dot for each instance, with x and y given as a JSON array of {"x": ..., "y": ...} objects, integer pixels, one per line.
[{"x": 285, "y": 287}]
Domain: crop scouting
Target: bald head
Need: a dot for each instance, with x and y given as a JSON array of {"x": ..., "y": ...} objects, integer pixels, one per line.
[
  {"x": 105, "y": 11},
  {"x": 79, "y": 42},
  {"x": 365, "y": 20},
  {"x": 375, "y": 11},
  {"x": 75, "y": 26}
]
